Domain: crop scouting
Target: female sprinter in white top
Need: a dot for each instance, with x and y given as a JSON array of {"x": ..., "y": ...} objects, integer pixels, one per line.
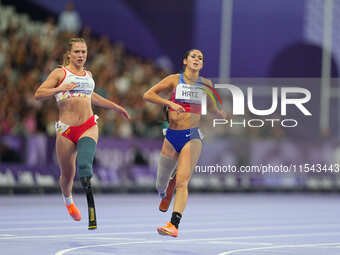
[{"x": 77, "y": 131}]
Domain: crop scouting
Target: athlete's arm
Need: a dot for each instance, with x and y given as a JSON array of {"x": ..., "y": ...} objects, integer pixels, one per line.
[
  {"x": 152, "y": 95},
  {"x": 103, "y": 102},
  {"x": 48, "y": 87}
]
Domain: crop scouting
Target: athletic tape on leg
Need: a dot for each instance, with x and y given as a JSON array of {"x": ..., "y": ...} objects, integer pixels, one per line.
[
  {"x": 86, "y": 149},
  {"x": 166, "y": 166}
]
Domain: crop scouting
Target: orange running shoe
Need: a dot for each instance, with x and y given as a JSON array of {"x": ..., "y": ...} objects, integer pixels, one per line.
[
  {"x": 74, "y": 212},
  {"x": 165, "y": 202},
  {"x": 169, "y": 230}
]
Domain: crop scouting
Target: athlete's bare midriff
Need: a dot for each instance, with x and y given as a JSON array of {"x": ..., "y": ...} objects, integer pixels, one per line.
[
  {"x": 184, "y": 120},
  {"x": 75, "y": 111}
]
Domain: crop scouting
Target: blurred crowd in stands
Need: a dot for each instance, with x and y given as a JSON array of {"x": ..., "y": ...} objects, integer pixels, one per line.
[{"x": 29, "y": 51}]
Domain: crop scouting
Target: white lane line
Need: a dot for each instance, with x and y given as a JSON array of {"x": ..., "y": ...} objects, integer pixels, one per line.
[
  {"x": 225, "y": 229},
  {"x": 11, "y": 221},
  {"x": 103, "y": 245},
  {"x": 279, "y": 247},
  {"x": 76, "y": 236},
  {"x": 72, "y": 225},
  {"x": 94, "y": 238},
  {"x": 239, "y": 243},
  {"x": 72, "y": 236},
  {"x": 205, "y": 230},
  {"x": 230, "y": 221},
  {"x": 295, "y": 227},
  {"x": 62, "y": 252}
]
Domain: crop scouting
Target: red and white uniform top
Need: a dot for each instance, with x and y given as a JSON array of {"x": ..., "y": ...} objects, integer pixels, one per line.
[{"x": 84, "y": 89}]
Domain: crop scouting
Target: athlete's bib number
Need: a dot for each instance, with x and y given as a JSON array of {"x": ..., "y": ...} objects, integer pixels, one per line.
[{"x": 189, "y": 93}]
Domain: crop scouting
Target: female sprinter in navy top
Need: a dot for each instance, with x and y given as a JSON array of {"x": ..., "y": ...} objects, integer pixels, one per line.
[
  {"x": 182, "y": 144},
  {"x": 77, "y": 131}
]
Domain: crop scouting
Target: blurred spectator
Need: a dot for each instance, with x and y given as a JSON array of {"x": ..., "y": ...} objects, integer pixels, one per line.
[
  {"x": 48, "y": 35},
  {"x": 30, "y": 122},
  {"x": 69, "y": 20},
  {"x": 165, "y": 63},
  {"x": 120, "y": 76}
]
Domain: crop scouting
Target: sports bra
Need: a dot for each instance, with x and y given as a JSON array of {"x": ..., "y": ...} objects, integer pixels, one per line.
[
  {"x": 187, "y": 95},
  {"x": 84, "y": 89}
]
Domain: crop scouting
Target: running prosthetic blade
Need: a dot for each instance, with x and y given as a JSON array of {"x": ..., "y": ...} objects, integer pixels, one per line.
[{"x": 86, "y": 184}]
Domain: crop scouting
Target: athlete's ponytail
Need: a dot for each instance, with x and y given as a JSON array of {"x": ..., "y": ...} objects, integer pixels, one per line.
[
  {"x": 66, "y": 61},
  {"x": 165, "y": 111}
]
